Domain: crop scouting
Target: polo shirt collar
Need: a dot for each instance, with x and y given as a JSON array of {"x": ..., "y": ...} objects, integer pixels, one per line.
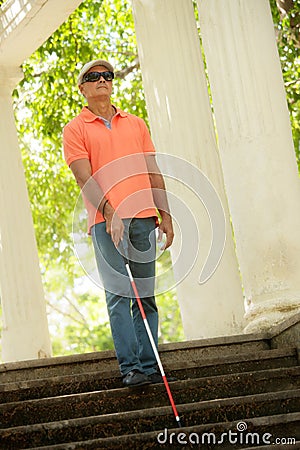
[{"x": 88, "y": 116}]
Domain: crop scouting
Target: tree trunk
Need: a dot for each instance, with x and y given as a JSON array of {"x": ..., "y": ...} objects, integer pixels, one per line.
[{"x": 284, "y": 6}]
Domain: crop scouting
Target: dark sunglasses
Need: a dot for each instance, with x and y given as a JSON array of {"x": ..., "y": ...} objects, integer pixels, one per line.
[{"x": 95, "y": 76}]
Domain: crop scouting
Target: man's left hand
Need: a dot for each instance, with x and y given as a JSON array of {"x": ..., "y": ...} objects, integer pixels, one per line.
[{"x": 166, "y": 227}]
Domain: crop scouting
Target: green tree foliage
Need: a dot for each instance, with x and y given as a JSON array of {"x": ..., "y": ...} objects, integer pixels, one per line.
[
  {"x": 287, "y": 29},
  {"x": 45, "y": 101}
]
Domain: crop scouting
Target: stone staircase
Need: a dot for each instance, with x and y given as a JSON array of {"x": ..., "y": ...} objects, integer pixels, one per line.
[{"x": 232, "y": 392}]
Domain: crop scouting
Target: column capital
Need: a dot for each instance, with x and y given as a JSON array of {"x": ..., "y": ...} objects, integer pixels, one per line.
[{"x": 10, "y": 77}]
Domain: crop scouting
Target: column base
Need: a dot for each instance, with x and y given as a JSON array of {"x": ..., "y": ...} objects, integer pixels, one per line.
[
  {"x": 25, "y": 341},
  {"x": 263, "y": 316}
]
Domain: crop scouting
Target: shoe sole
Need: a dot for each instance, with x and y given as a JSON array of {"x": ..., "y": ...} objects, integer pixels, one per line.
[
  {"x": 162, "y": 381},
  {"x": 142, "y": 383}
]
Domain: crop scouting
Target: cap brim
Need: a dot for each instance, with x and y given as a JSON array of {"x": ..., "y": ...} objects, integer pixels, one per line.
[{"x": 89, "y": 65}]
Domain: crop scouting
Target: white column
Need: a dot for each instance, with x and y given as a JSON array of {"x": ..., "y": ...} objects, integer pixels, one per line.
[
  {"x": 25, "y": 331},
  {"x": 182, "y": 127},
  {"x": 257, "y": 154}
]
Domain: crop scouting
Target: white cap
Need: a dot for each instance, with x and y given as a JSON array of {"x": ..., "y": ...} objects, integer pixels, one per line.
[{"x": 89, "y": 65}]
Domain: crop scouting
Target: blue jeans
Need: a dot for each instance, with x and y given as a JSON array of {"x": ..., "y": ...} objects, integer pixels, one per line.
[{"x": 132, "y": 345}]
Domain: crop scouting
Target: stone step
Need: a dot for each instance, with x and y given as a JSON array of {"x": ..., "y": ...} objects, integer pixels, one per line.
[
  {"x": 100, "y": 380},
  {"x": 105, "y": 361},
  {"x": 79, "y": 402},
  {"x": 124, "y": 399},
  {"x": 284, "y": 428},
  {"x": 248, "y": 407}
]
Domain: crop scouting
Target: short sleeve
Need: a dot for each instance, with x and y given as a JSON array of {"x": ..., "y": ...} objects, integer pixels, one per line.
[
  {"x": 73, "y": 144},
  {"x": 148, "y": 145}
]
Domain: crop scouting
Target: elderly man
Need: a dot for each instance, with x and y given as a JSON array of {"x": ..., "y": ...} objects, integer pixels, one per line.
[{"x": 112, "y": 157}]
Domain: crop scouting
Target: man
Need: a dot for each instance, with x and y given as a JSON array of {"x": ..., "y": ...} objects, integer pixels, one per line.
[{"x": 111, "y": 155}]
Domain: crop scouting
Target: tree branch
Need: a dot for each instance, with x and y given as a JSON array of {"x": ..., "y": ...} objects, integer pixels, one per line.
[
  {"x": 124, "y": 72},
  {"x": 290, "y": 83},
  {"x": 77, "y": 310},
  {"x": 284, "y": 6},
  {"x": 65, "y": 314}
]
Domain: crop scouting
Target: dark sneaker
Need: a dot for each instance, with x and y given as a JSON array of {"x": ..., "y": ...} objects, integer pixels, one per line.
[
  {"x": 157, "y": 378},
  {"x": 135, "y": 378}
]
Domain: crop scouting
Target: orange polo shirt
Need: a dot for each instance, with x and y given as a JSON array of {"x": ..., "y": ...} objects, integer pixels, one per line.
[{"x": 117, "y": 158}]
